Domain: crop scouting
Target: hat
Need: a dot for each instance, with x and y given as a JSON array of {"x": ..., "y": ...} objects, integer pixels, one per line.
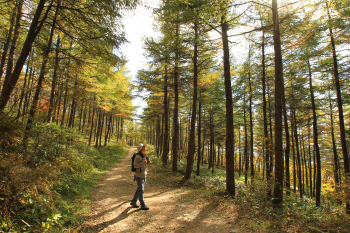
[{"x": 139, "y": 146}]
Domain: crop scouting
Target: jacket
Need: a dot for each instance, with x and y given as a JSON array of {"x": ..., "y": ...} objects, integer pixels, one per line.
[{"x": 139, "y": 162}]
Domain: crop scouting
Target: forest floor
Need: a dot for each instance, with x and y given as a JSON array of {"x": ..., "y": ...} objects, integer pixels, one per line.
[{"x": 173, "y": 207}]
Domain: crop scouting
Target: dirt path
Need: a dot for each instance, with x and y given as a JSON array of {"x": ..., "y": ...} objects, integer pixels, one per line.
[{"x": 169, "y": 210}]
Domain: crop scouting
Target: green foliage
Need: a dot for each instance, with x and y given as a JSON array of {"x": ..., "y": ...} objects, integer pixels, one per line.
[{"x": 45, "y": 189}]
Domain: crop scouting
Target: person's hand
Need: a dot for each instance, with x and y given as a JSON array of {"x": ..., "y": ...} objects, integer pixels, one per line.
[{"x": 148, "y": 162}]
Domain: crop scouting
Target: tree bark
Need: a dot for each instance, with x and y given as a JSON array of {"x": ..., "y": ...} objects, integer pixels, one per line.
[
  {"x": 11, "y": 57},
  {"x": 298, "y": 155},
  {"x": 28, "y": 94},
  {"x": 73, "y": 107},
  {"x": 251, "y": 125},
  {"x": 335, "y": 154},
  {"x": 199, "y": 136},
  {"x": 240, "y": 153},
  {"x": 108, "y": 129},
  {"x": 176, "y": 106},
  {"x": 92, "y": 123},
  {"x": 191, "y": 140},
  {"x": 54, "y": 79},
  {"x": 287, "y": 150},
  {"x": 23, "y": 91},
  {"x": 97, "y": 134},
  {"x": 317, "y": 149},
  {"x": 266, "y": 134},
  {"x": 246, "y": 158},
  {"x": 310, "y": 166},
  {"x": 7, "y": 44},
  {"x": 230, "y": 173},
  {"x": 64, "y": 104},
  {"x": 34, "y": 29},
  {"x": 166, "y": 120},
  {"x": 279, "y": 168}
]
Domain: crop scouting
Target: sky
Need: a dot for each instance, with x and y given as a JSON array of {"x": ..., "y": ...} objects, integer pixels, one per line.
[{"x": 138, "y": 24}]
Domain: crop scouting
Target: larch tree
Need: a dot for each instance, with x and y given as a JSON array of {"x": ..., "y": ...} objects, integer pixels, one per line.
[{"x": 279, "y": 167}]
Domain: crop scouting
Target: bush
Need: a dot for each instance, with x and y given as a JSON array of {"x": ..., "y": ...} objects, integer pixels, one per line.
[{"x": 46, "y": 184}]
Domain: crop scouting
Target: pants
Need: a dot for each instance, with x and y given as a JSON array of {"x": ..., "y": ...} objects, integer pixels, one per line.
[{"x": 139, "y": 191}]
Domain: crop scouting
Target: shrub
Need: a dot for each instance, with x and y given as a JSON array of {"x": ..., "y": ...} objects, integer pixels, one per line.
[{"x": 45, "y": 186}]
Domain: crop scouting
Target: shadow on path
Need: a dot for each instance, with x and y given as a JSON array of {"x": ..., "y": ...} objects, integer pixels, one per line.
[{"x": 99, "y": 227}]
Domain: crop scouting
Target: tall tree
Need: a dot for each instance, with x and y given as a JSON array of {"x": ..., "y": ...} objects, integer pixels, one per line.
[
  {"x": 176, "y": 104},
  {"x": 191, "y": 140},
  {"x": 230, "y": 175},
  {"x": 279, "y": 168},
  {"x": 316, "y": 146},
  {"x": 46, "y": 54}
]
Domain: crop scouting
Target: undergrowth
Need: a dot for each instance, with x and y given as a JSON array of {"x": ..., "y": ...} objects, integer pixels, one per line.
[
  {"x": 252, "y": 207},
  {"x": 45, "y": 186}
]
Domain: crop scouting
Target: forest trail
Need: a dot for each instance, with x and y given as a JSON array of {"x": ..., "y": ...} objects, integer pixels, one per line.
[{"x": 169, "y": 210}]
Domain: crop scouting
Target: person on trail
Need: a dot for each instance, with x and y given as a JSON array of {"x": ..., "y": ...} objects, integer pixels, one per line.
[{"x": 140, "y": 164}]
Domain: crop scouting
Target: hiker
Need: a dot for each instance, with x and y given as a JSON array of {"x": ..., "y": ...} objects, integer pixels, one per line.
[{"x": 140, "y": 164}]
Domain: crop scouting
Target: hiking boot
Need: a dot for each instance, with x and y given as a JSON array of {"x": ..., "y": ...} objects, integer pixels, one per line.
[
  {"x": 134, "y": 205},
  {"x": 144, "y": 208}
]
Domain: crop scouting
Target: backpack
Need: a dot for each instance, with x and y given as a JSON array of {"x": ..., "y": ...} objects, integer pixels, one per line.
[{"x": 132, "y": 162}]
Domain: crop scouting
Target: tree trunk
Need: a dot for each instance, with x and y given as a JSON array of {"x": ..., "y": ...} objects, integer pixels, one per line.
[
  {"x": 176, "y": 106},
  {"x": 335, "y": 154},
  {"x": 240, "y": 153},
  {"x": 305, "y": 167},
  {"x": 81, "y": 115},
  {"x": 121, "y": 128},
  {"x": 64, "y": 104},
  {"x": 298, "y": 156},
  {"x": 34, "y": 29},
  {"x": 246, "y": 158},
  {"x": 54, "y": 79},
  {"x": 251, "y": 125},
  {"x": 230, "y": 173},
  {"x": 72, "y": 113},
  {"x": 191, "y": 140},
  {"x": 97, "y": 134},
  {"x": 166, "y": 119},
  {"x": 158, "y": 137},
  {"x": 317, "y": 149},
  {"x": 211, "y": 142},
  {"x": 266, "y": 134},
  {"x": 23, "y": 91},
  {"x": 7, "y": 43},
  {"x": 199, "y": 136},
  {"x": 108, "y": 129},
  {"x": 287, "y": 150},
  {"x": 279, "y": 169},
  {"x": 11, "y": 57},
  {"x": 270, "y": 129},
  {"x": 310, "y": 166},
  {"x": 58, "y": 102},
  {"x": 293, "y": 148},
  {"x": 29, "y": 93},
  {"x": 92, "y": 123},
  {"x": 161, "y": 143}
]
